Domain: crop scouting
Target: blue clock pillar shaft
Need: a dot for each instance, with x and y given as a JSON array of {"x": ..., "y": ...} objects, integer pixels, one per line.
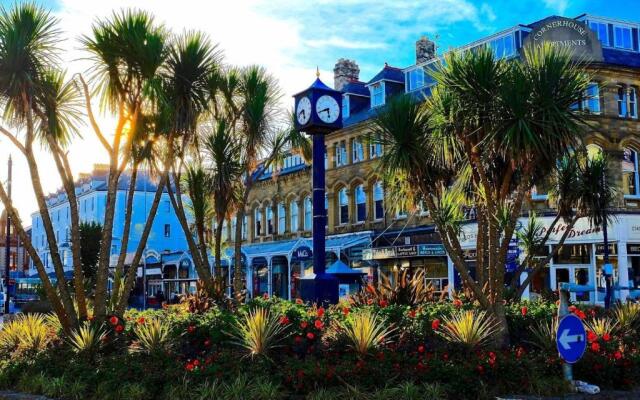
[{"x": 319, "y": 212}]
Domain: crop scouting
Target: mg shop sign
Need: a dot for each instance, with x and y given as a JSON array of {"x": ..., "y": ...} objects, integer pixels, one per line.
[
  {"x": 567, "y": 33},
  {"x": 303, "y": 253}
]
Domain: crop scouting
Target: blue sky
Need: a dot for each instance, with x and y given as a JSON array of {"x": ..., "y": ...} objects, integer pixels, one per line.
[{"x": 291, "y": 37}]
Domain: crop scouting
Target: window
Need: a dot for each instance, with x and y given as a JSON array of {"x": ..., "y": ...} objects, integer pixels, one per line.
[
  {"x": 308, "y": 216},
  {"x": 293, "y": 215},
  {"x": 630, "y": 179},
  {"x": 357, "y": 150},
  {"x": 361, "y": 204},
  {"x": 377, "y": 94},
  {"x": 401, "y": 213},
  {"x": 234, "y": 225},
  {"x": 343, "y": 201},
  {"x": 345, "y": 107},
  {"x": 415, "y": 79},
  {"x": 601, "y": 32},
  {"x": 225, "y": 231},
  {"x": 258, "y": 221},
  {"x": 341, "y": 153},
  {"x": 591, "y": 99},
  {"x": 378, "y": 200},
  {"x": 622, "y": 101},
  {"x": 269, "y": 213},
  {"x": 167, "y": 230},
  {"x": 622, "y": 37},
  {"x": 503, "y": 46},
  {"x": 375, "y": 147},
  {"x": 282, "y": 219},
  {"x": 244, "y": 227},
  {"x": 633, "y": 103}
]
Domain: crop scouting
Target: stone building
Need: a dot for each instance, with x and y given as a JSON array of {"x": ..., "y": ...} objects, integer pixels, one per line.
[
  {"x": 18, "y": 257},
  {"x": 364, "y": 232}
]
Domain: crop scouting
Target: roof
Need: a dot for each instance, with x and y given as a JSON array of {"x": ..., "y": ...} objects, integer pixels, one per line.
[
  {"x": 317, "y": 84},
  {"x": 621, "y": 57},
  {"x": 340, "y": 268},
  {"x": 356, "y": 87},
  {"x": 388, "y": 73}
]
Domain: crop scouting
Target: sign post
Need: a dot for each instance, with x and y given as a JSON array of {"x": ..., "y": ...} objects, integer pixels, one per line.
[{"x": 570, "y": 336}]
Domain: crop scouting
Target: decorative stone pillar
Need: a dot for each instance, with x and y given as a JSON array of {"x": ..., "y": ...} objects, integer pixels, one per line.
[{"x": 331, "y": 212}]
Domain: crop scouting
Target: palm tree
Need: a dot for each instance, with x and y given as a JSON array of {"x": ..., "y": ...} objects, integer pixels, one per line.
[
  {"x": 128, "y": 51},
  {"x": 499, "y": 121},
  {"x": 37, "y": 101},
  {"x": 222, "y": 152},
  {"x": 254, "y": 109}
]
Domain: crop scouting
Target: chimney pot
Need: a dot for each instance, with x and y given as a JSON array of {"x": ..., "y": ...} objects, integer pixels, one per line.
[
  {"x": 425, "y": 50},
  {"x": 345, "y": 71}
]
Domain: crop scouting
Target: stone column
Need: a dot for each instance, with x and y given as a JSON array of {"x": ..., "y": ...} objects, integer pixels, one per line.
[
  {"x": 251, "y": 226},
  {"x": 300, "y": 203},
  {"x": 331, "y": 212}
]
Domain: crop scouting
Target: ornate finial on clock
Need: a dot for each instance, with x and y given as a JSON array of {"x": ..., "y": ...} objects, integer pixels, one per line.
[{"x": 317, "y": 72}]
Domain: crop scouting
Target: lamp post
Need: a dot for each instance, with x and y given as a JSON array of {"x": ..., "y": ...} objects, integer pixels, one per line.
[
  {"x": 318, "y": 113},
  {"x": 7, "y": 243}
]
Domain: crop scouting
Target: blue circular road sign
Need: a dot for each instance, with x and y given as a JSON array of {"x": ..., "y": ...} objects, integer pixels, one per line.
[{"x": 571, "y": 338}]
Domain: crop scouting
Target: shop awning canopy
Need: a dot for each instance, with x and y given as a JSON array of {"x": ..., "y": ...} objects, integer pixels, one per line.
[
  {"x": 335, "y": 243},
  {"x": 340, "y": 268}
]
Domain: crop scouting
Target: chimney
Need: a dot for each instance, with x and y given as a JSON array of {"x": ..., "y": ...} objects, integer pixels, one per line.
[
  {"x": 425, "y": 50},
  {"x": 344, "y": 72}
]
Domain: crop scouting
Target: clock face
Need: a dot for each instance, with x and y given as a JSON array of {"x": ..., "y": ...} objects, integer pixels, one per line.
[
  {"x": 327, "y": 109},
  {"x": 303, "y": 111}
]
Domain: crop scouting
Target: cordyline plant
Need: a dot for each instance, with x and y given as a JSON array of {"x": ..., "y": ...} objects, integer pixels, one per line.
[
  {"x": 155, "y": 85},
  {"x": 488, "y": 132}
]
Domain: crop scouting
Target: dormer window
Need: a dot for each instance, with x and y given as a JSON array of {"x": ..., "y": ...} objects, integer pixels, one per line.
[
  {"x": 622, "y": 37},
  {"x": 601, "y": 31},
  {"x": 503, "y": 46},
  {"x": 345, "y": 107},
  {"x": 377, "y": 94},
  {"x": 415, "y": 79}
]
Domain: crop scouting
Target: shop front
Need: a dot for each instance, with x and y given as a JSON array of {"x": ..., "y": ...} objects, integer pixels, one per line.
[
  {"x": 431, "y": 259},
  {"x": 581, "y": 258}
]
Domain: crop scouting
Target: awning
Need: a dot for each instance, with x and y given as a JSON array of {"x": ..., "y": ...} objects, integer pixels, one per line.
[{"x": 340, "y": 268}]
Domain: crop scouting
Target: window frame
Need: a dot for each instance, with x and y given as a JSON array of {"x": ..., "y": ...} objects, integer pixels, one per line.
[
  {"x": 360, "y": 197},
  {"x": 308, "y": 211},
  {"x": 293, "y": 215},
  {"x": 377, "y": 91},
  {"x": 635, "y": 195},
  {"x": 282, "y": 218},
  {"x": 378, "y": 186},
  {"x": 343, "y": 206}
]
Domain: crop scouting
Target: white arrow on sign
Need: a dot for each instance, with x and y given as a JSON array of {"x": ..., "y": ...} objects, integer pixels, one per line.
[{"x": 565, "y": 339}]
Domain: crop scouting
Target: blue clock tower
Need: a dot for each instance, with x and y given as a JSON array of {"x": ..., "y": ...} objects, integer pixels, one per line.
[{"x": 318, "y": 113}]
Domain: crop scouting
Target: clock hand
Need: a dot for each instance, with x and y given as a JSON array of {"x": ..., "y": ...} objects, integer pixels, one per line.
[{"x": 325, "y": 110}]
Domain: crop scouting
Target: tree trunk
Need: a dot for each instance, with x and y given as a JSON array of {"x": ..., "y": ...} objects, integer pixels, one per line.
[
  {"x": 133, "y": 268},
  {"x": 64, "y": 170},
  {"x": 502, "y": 334},
  {"x": 237, "y": 246},
  {"x": 119, "y": 270},
  {"x": 217, "y": 247}
]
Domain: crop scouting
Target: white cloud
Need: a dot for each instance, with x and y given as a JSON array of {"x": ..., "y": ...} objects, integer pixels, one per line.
[
  {"x": 558, "y": 6},
  {"x": 335, "y": 41}
]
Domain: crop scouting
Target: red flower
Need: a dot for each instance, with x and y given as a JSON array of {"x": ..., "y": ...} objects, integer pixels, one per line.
[
  {"x": 572, "y": 309},
  {"x": 412, "y": 313},
  {"x": 457, "y": 303},
  {"x": 435, "y": 324},
  {"x": 492, "y": 355},
  {"x": 265, "y": 296},
  {"x": 606, "y": 337},
  {"x": 207, "y": 343},
  {"x": 318, "y": 324},
  {"x": 524, "y": 310},
  {"x": 360, "y": 364},
  {"x": 345, "y": 310},
  {"x": 297, "y": 339},
  {"x": 320, "y": 312},
  {"x": 141, "y": 320},
  {"x": 580, "y": 314},
  {"x": 595, "y": 346},
  {"x": 480, "y": 369},
  {"x": 189, "y": 367},
  {"x": 114, "y": 320},
  {"x": 196, "y": 362},
  {"x": 617, "y": 355},
  {"x": 591, "y": 337},
  {"x": 371, "y": 289},
  {"x": 310, "y": 336},
  {"x": 284, "y": 320},
  {"x": 369, "y": 301},
  {"x": 119, "y": 328},
  {"x": 445, "y": 356},
  {"x": 191, "y": 329},
  {"x": 299, "y": 301},
  {"x": 519, "y": 352},
  {"x": 303, "y": 325},
  {"x": 383, "y": 303},
  {"x": 421, "y": 349}
]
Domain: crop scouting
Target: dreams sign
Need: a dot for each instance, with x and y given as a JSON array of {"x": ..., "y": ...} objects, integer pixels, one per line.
[{"x": 569, "y": 33}]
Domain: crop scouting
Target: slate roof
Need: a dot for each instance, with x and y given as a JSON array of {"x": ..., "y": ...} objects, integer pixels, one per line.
[
  {"x": 356, "y": 87},
  {"x": 621, "y": 57},
  {"x": 388, "y": 73}
]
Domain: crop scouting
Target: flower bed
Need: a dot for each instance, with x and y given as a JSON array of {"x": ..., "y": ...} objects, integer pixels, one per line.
[{"x": 272, "y": 349}]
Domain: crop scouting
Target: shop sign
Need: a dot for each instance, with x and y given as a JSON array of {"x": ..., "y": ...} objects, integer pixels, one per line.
[
  {"x": 633, "y": 248},
  {"x": 303, "y": 253},
  {"x": 416, "y": 250},
  {"x": 613, "y": 249}
]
